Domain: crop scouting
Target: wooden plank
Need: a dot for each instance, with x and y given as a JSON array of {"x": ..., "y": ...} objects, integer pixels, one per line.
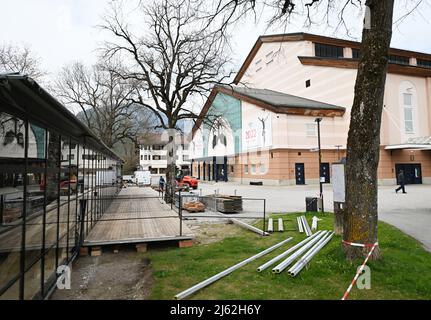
[{"x": 148, "y": 219}]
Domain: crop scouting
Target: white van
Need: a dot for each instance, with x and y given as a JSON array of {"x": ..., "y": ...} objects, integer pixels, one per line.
[{"x": 142, "y": 178}]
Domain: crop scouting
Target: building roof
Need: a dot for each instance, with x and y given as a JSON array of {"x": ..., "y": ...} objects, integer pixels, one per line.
[
  {"x": 23, "y": 97},
  {"x": 277, "y": 102},
  {"x": 301, "y": 36},
  {"x": 423, "y": 143},
  {"x": 281, "y": 100},
  {"x": 157, "y": 138}
]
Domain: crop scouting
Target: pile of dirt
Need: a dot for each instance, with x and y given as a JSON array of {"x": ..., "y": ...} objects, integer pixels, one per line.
[{"x": 122, "y": 276}]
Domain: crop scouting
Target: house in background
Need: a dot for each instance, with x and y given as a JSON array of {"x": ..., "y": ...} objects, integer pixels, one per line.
[
  {"x": 153, "y": 155},
  {"x": 265, "y": 129}
]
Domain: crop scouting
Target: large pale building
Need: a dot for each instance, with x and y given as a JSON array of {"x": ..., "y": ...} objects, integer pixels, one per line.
[
  {"x": 263, "y": 129},
  {"x": 153, "y": 154}
]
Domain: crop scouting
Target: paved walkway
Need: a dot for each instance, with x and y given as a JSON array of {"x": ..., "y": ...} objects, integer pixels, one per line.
[
  {"x": 137, "y": 215},
  {"x": 409, "y": 212}
]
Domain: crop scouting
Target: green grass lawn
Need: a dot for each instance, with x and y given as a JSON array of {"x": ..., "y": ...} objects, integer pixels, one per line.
[{"x": 402, "y": 273}]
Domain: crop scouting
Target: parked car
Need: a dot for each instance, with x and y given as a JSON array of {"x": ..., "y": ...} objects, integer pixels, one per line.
[{"x": 187, "y": 182}]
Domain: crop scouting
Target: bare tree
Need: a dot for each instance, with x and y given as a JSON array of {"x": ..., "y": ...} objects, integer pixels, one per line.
[
  {"x": 173, "y": 59},
  {"x": 102, "y": 96},
  {"x": 21, "y": 60},
  {"x": 361, "y": 214}
]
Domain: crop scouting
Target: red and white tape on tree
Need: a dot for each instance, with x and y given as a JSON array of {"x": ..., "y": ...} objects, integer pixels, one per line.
[{"x": 358, "y": 273}]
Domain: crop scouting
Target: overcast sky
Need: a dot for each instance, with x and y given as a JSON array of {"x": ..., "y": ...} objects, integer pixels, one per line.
[{"x": 63, "y": 31}]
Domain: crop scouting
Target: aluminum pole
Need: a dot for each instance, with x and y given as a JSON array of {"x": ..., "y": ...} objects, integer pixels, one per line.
[
  {"x": 220, "y": 275},
  {"x": 309, "y": 255},
  {"x": 287, "y": 252},
  {"x": 283, "y": 265}
]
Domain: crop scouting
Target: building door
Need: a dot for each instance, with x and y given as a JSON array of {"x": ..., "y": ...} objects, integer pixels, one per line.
[
  {"x": 299, "y": 173},
  {"x": 412, "y": 172},
  {"x": 324, "y": 169}
]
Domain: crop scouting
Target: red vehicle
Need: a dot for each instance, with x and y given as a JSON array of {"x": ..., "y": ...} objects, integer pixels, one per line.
[{"x": 187, "y": 182}]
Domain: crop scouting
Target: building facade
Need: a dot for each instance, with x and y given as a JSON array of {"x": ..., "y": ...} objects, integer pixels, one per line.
[
  {"x": 267, "y": 120},
  {"x": 153, "y": 154}
]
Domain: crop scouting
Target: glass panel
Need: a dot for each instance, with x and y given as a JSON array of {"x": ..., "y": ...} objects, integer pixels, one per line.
[
  {"x": 66, "y": 189},
  {"x": 12, "y": 136},
  {"x": 407, "y": 99},
  {"x": 52, "y": 185},
  {"x": 408, "y": 114},
  {"x": 12, "y": 293},
  {"x": 35, "y": 193},
  {"x": 409, "y": 126},
  {"x": 49, "y": 265},
  {"x": 32, "y": 281}
]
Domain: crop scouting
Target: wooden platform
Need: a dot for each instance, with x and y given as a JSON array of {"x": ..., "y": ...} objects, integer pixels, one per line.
[{"x": 137, "y": 216}]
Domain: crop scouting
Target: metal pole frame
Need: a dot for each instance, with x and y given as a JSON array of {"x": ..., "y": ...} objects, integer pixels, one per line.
[
  {"x": 24, "y": 214},
  {"x": 264, "y": 217},
  {"x": 318, "y": 120},
  {"x": 180, "y": 211}
]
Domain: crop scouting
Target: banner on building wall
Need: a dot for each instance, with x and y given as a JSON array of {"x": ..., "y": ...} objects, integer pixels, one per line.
[
  {"x": 221, "y": 140},
  {"x": 257, "y": 131},
  {"x": 198, "y": 145}
]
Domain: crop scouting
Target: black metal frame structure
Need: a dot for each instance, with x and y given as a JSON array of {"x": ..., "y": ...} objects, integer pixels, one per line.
[{"x": 47, "y": 187}]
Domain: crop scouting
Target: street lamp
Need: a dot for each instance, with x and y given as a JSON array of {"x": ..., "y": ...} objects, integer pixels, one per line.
[
  {"x": 338, "y": 146},
  {"x": 318, "y": 120}
]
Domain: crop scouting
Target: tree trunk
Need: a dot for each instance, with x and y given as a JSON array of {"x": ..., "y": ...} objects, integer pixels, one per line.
[
  {"x": 363, "y": 145},
  {"x": 171, "y": 168}
]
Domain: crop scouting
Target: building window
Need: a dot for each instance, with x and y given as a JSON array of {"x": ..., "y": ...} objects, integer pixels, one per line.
[
  {"x": 423, "y": 63},
  {"x": 408, "y": 112},
  {"x": 157, "y": 147},
  {"x": 311, "y": 129},
  {"x": 142, "y": 158},
  {"x": 232, "y": 169},
  {"x": 262, "y": 168},
  {"x": 399, "y": 59},
  {"x": 356, "y": 54},
  {"x": 328, "y": 51},
  {"x": 270, "y": 58},
  {"x": 156, "y": 158},
  {"x": 246, "y": 169},
  {"x": 253, "y": 169}
]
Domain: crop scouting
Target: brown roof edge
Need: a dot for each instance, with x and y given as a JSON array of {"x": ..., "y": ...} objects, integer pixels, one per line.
[
  {"x": 301, "y": 36},
  {"x": 394, "y": 68},
  {"x": 292, "y": 110}
]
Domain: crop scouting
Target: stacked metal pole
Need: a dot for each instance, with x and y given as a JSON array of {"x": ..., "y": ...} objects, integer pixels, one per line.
[
  {"x": 280, "y": 225},
  {"x": 297, "y": 267},
  {"x": 287, "y": 252},
  {"x": 300, "y": 227},
  {"x": 220, "y": 275},
  {"x": 270, "y": 225},
  {"x": 283, "y": 265},
  {"x": 306, "y": 226}
]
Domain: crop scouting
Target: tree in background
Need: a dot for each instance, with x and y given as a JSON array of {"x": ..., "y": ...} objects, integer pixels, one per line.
[
  {"x": 173, "y": 58},
  {"x": 102, "y": 97},
  {"x": 20, "y": 59}
]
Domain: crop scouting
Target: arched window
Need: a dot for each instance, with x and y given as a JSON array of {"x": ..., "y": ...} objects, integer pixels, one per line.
[
  {"x": 408, "y": 108},
  {"x": 408, "y": 112}
]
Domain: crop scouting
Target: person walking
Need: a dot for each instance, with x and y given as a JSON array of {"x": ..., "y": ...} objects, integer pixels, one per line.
[
  {"x": 401, "y": 181},
  {"x": 161, "y": 184}
]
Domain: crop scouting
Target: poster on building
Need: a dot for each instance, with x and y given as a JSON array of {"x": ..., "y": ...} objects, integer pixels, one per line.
[
  {"x": 197, "y": 145},
  {"x": 221, "y": 140},
  {"x": 257, "y": 131}
]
